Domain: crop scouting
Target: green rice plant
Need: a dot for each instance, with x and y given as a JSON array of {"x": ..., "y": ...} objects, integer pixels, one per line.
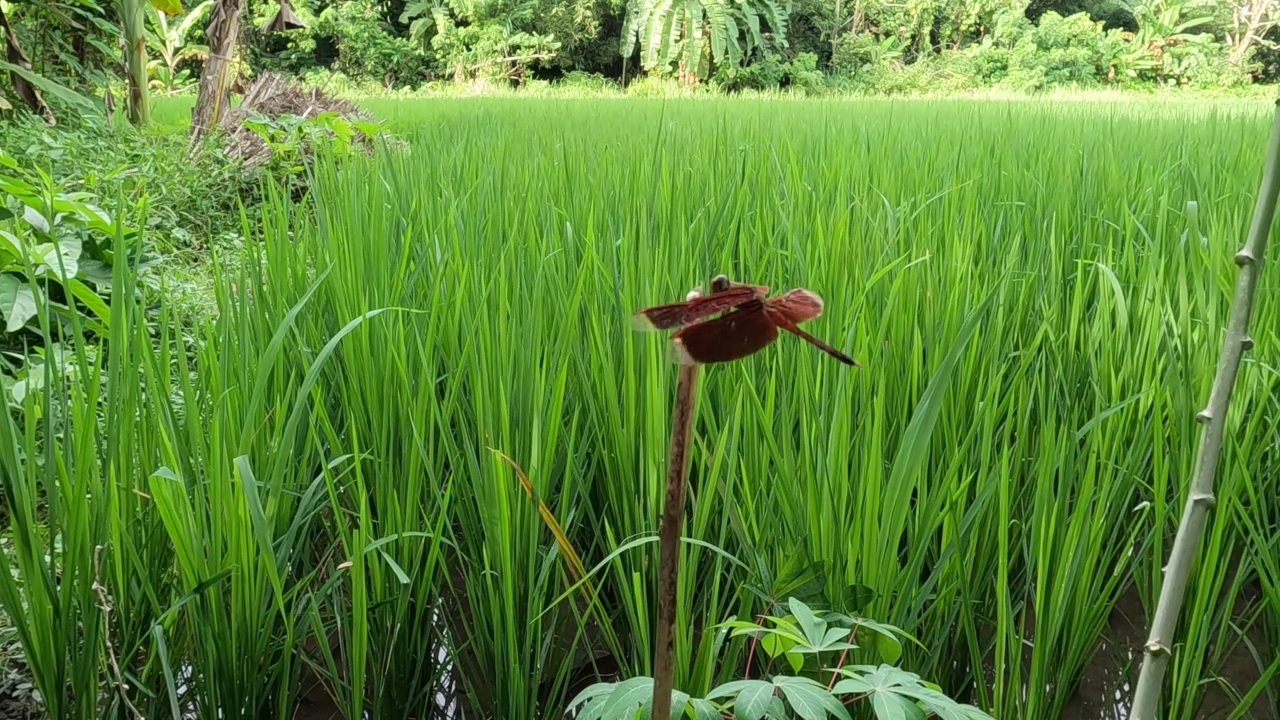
[
  {"x": 55, "y": 497},
  {"x": 1200, "y": 495},
  {"x": 1034, "y": 317},
  {"x": 315, "y": 487}
]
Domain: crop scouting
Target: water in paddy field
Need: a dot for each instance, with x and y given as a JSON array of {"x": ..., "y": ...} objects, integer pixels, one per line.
[{"x": 1105, "y": 690}]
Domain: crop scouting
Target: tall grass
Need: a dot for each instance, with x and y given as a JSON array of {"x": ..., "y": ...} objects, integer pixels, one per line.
[{"x": 1036, "y": 294}]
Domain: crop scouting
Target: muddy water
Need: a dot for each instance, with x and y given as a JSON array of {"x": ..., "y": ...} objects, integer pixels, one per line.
[{"x": 1106, "y": 687}]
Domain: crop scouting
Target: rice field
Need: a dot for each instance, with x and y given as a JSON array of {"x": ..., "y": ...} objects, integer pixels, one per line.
[{"x": 305, "y": 505}]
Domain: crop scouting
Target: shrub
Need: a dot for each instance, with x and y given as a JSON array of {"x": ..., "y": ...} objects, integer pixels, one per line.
[
  {"x": 803, "y": 72},
  {"x": 1059, "y": 51},
  {"x": 184, "y": 202},
  {"x": 366, "y": 47},
  {"x": 56, "y": 252},
  {"x": 765, "y": 71}
]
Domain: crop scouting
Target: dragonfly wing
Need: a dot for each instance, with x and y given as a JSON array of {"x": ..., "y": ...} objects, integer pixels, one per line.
[
  {"x": 798, "y": 305},
  {"x": 731, "y": 336},
  {"x": 679, "y": 314}
]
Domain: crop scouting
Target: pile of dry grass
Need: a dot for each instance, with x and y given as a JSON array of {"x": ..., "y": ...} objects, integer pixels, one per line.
[{"x": 273, "y": 96}]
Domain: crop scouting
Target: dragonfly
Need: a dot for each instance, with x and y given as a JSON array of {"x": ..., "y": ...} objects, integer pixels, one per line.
[{"x": 748, "y": 322}]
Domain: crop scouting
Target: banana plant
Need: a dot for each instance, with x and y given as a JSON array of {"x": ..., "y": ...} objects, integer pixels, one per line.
[
  {"x": 169, "y": 41},
  {"x": 133, "y": 15},
  {"x": 694, "y": 35}
]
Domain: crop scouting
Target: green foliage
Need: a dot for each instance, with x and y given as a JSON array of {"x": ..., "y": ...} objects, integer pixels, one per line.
[
  {"x": 1072, "y": 51},
  {"x": 366, "y": 45},
  {"x": 1172, "y": 46},
  {"x": 301, "y": 488},
  {"x": 71, "y": 42},
  {"x": 170, "y": 41},
  {"x": 803, "y": 637},
  {"x": 293, "y": 140},
  {"x": 771, "y": 72},
  {"x": 184, "y": 202},
  {"x": 56, "y": 252},
  {"x": 696, "y": 37}
]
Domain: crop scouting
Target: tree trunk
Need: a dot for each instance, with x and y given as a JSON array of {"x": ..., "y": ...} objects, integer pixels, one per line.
[
  {"x": 835, "y": 31},
  {"x": 211, "y": 98},
  {"x": 133, "y": 23},
  {"x": 28, "y": 92}
]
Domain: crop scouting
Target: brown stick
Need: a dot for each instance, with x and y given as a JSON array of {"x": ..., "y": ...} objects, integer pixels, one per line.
[
  {"x": 669, "y": 532},
  {"x": 669, "y": 542}
]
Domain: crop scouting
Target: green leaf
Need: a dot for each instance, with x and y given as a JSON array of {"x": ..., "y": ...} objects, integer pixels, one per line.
[
  {"x": 53, "y": 89},
  {"x": 17, "y": 302},
  {"x": 591, "y": 710},
  {"x": 700, "y": 709},
  {"x": 855, "y": 597},
  {"x": 775, "y": 643},
  {"x": 395, "y": 568},
  {"x": 889, "y": 706},
  {"x": 9, "y": 243},
  {"x": 913, "y": 452},
  {"x": 91, "y": 300},
  {"x": 590, "y": 693},
  {"x": 35, "y": 218},
  {"x": 888, "y": 647},
  {"x": 61, "y": 260},
  {"x": 855, "y": 685},
  {"x": 799, "y": 578},
  {"x": 6, "y": 214},
  {"x": 812, "y": 627},
  {"x": 168, "y": 7},
  {"x": 96, "y": 272},
  {"x": 751, "y": 697},
  {"x": 627, "y": 696},
  {"x": 810, "y": 700},
  {"x": 834, "y": 638},
  {"x": 795, "y": 660}
]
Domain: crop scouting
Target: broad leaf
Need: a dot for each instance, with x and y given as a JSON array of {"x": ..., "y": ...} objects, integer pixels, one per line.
[
  {"x": 700, "y": 709},
  {"x": 751, "y": 697},
  {"x": 810, "y": 700},
  {"x": 35, "y": 218},
  {"x": 168, "y": 7},
  {"x": 51, "y": 88},
  {"x": 590, "y": 694},
  {"x": 855, "y": 597},
  {"x": 627, "y": 696},
  {"x": 10, "y": 244},
  {"x": 91, "y": 300},
  {"x": 17, "y": 302},
  {"x": 889, "y": 706},
  {"x": 812, "y": 627},
  {"x": 61, "y": 260},
  {"x": 795, "y": 659},
  {"x": 888, "y": 647}
]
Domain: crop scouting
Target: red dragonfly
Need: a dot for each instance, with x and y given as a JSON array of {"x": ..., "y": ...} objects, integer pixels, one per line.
[{"x": 750, "y": 322}]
